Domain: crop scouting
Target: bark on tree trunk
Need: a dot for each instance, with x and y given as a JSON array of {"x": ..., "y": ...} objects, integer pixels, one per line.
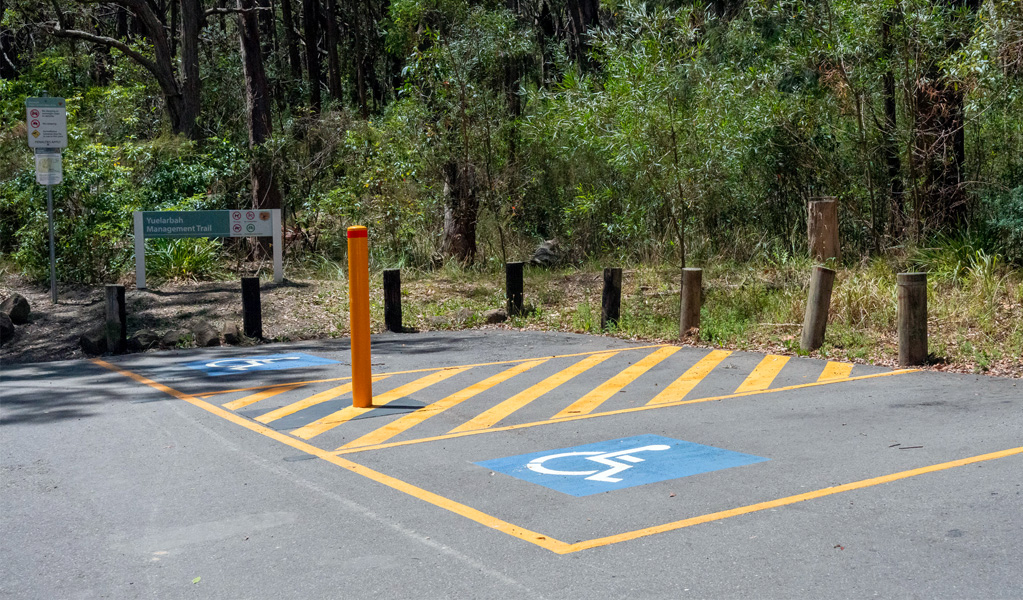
[
  {"x": 461, "y": 208},
  {"x": 291, "y": 40},
  {"x": 311, "y": 22},
  {"x": 265, "y": 193},
  {"x": 896, "y": 220},
  {"x": 191, "y": 86},
  {"x": 333, "y": 64}
]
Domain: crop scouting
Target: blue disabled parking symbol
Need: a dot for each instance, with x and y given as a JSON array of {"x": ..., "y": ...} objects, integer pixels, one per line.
[
  {"x": 617, "y": 464},
  {"x": 267, "y": 362}
]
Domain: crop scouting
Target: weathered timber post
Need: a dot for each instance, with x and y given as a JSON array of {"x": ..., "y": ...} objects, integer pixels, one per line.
[
  {"x": 822, "y": 229},
  {"x": 611, "y": 299},
  {"x": 392, "y": 300},
  {"x": 692, "y": 294},
  {"x": 513, "y": 287},
  {"x": 912, "y": 318},
  {"x": 252, "y": 309},
  {"x": 116, "y": 327},
  {"x": 815, "y": 321}
]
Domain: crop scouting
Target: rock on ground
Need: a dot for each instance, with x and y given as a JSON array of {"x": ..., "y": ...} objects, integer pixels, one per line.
[
  {"x": 6, "y": 328},
  {"x": 17, "y": 308}
]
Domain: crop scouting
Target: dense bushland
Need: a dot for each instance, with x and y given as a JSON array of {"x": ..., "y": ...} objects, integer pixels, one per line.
[{"x": 660, "y": 131}]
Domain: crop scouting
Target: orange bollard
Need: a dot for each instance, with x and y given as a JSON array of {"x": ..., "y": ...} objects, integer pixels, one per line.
[{"x": 358, "y": 311}]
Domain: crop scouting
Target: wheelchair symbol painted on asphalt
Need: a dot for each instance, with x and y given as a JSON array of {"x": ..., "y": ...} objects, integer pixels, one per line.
[
  {"x": 603, "y": 467},
  {"x": 236, "y": 365},
  {"x": 604, "y": 458}
]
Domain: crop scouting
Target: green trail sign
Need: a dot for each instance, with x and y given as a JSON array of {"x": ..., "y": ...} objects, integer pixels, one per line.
[{"x": 206, "y": 224}]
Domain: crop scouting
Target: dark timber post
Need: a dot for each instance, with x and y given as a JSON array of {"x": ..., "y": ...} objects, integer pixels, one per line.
[
  {"x": 392, "y": 300},
  {"x": 513, "y": 287},
  {"x": 116, "y": 327},
  {"x": 611, "y": 300},
  {"x": 822, "y": 229},
  {"x": 692, "y": 293},
  {"x": 912, "y": 319},
  {"x": 252, "y": 310},
  {"x": 818, "y": 304}
]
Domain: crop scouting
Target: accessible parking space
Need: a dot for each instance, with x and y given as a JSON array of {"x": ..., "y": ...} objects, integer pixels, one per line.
[{"x": 570, "y": 446}]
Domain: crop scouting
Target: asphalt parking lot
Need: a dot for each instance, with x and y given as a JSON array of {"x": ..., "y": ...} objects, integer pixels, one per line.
[{"x": 508, "y": 464}]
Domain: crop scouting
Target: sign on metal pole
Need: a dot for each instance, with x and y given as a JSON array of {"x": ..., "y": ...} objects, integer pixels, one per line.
[
  {"x": 46, "y": 120},
  {"x": 206, "y": 224},
  {"x": 49, "y": 166},
  {"x": 46, "y": 129}
]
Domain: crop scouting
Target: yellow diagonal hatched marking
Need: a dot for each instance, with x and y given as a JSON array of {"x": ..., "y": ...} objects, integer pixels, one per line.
[
  {"x": 258, "y": 396},
  {"x": 313, "y": 400},
  {"x": 685, "y": 384},
  {"x": 764, "y": 374},
  {"x": 347, "y": 414},
  {"x": 602, "y": 392},
  {"x": 415, "y": 418},
  {"x": 835, "y": 370},
  {"x": 502, "y": 410}
]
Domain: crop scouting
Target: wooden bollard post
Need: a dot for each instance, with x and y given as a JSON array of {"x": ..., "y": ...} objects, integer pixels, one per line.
[
  {"x": 611, "y": 299},
  {"x": 822, "y": 229},
  {"x": 252, "y": 309},
  {"x": 692, "y": 294},
  {"x": 513, "y": 287},
  {"x": 116, "y": 327},
  {"x": 818, "y": 304},
  {"x": 912, "y": 318},
  {"x": 392, "y": 300}
]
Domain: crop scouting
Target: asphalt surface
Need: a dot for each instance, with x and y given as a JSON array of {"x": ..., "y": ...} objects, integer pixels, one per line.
[{"x": 609, "y": 470}]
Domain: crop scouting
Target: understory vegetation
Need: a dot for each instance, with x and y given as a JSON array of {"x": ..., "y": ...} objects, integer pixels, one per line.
[{"x": 649, "y": 135}]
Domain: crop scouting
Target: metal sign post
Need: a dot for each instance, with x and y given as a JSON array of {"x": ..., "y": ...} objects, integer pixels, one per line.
[{"x": 46, "y": 118}]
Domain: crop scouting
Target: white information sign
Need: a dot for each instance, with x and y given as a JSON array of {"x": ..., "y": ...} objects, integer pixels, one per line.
[
  {"x": 46, "y": 121},
  {"x": 49, "y": 168}
]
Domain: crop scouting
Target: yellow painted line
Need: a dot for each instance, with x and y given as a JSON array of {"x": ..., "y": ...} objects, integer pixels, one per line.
[
  {"x": 258, "y": 396},
  {"x": 763, "y": 374},
  {"x": 313, "y": 400},
  {"x": 623, "y": 411},
  {"x": 490, "y": 417},
  {"x": 439, "y": 501},
  {"x": 533, "y": 537},
  {"x": 609, "y": 388},
  {"x": 835, "y": 370},
  {"x": 415, "y": 418},
  {"x": 685, "y": 384},
  {"x": 427, "y": 370},
  {"x": 745, "y": 510},
  {"x": 348, "y": 413}
]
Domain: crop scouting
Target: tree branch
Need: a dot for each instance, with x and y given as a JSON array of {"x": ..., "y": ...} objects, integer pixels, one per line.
[
  {"x": 233, "y": 11},
  {"x": 106, "y": 41}
]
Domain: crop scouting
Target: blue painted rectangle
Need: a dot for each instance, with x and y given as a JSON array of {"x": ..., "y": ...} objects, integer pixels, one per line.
[
  {"x": 237, "y": 365},
  {"x": 617, "y": 464}
]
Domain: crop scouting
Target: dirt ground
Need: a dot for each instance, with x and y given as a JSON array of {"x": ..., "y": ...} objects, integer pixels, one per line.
[{"x": 292, "y": 311}]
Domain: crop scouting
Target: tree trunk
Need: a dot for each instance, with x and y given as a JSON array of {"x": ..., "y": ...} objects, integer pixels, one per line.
[
  {"x": 311, "y": 22},
  {"x": 461, "y": 207},
  {"x": 191, "y": 86},
  {"x": 265, "y": 194},
  {"x": 330, "y": 37},
  {"x": 941, "y": 139},
  {"x": 896, "y": 218},
  {"x": 291, "y": 41},
  {"x": 583, "y": 15}
]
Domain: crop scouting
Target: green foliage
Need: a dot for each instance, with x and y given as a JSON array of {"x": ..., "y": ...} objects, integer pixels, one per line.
[{"x": 186, "y": 258}]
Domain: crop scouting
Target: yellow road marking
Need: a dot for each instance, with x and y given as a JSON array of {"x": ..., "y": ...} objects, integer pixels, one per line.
[
  {"x": 685, "y": 384},
  {"x": 533, "y": 537},
  {"x": 254, "y": 398},
  {"x": 348, "y": 413},
  {"x": 313, "y": 400},
  {"x": 488, "y": 418},
  {"x": 416, "y": 492},
  {"x": 415, "y": 418},
  {"x": 602, "y": 392},
  {"x": 609, "y": 413},
  {"x": 744, "y": 510},
  {"x": 835, "y": 370},
  {"x": 763, "y": 374},
  {"x": 430, "y": 369}
]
